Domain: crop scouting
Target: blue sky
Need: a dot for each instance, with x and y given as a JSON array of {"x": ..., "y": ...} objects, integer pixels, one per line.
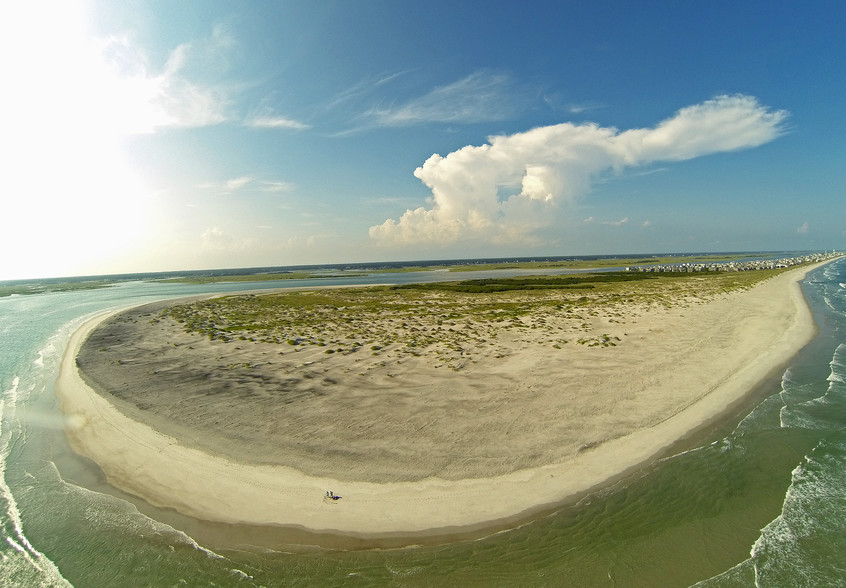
[{"x": 158, "y": 135}]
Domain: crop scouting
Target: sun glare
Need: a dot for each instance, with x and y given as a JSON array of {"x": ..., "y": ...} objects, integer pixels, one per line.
[{"x": 71, "y": 200}]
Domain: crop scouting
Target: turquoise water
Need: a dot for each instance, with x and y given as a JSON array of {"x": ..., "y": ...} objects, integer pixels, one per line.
[{"x": 759, "y": 502}]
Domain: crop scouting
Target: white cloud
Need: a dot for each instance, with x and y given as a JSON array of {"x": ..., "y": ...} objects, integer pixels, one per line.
[
  {"x": 364, "y": 87},
  {"x": 230, "y": 185},
  {"x": 63, "y": 110},
  {"x": 803, "y": 229},
  {"x": 217, "y": 239},
  {"x": 275, "y": 122},
  {"x": 139, "y": 99},
  {"x": 580, "y": 108},
  {"x": 726, "y": 123},
  {"x": 618, "y": 223},
  {"x": 649, "y": 172},
  {"x": 475, "y": 98},
  {"x": 277, "y": 186},
  {"x": 236, "y": 183},
  {"x": 301, "y": 241},
  {"x": 247, "y": 182},
  {"x": 509, "y": 188},
  {"x": 589, "y": 219}
]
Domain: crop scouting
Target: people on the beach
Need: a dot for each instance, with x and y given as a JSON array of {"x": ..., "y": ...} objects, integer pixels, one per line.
[{"x": 331, "y": 495}]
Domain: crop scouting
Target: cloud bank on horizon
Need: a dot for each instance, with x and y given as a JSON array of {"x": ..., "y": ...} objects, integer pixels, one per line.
[{"x": 505, "y": 191}]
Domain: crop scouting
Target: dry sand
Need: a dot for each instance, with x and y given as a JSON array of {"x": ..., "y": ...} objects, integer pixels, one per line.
[{"x": 239, "y": 433}]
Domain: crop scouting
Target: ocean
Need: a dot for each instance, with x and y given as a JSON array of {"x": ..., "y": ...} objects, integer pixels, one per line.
[{"x": 759, "y": 502}]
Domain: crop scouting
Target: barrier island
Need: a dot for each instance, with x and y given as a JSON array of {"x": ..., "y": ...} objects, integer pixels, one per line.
[{"x": 430, "y": 409}]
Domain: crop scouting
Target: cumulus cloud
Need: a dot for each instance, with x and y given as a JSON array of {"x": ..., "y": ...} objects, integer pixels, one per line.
[
  {"x": 216, "y": 238},
  {"x": 505, "y": 190},
  {"x": 617, "y": 223},
  {"x": 803, "y": 229}
]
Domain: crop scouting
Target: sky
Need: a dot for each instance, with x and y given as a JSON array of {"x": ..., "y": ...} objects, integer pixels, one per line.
[{"x": 148, "y": 135}]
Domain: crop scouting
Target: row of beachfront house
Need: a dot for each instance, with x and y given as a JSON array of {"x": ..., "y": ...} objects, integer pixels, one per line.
[{"x": 735, "y": 266}]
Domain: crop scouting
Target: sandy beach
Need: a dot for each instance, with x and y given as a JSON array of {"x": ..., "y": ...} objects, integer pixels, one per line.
[{"x": 250, "y": 432}]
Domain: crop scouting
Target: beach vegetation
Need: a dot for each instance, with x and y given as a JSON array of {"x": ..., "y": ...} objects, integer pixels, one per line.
[
  {"x": 25, "y": 288},
  {"x": 445, "y": 320}
]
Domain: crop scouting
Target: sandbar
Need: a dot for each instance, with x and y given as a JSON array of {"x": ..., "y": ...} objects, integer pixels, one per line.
[{"x": 414, "y": 446}]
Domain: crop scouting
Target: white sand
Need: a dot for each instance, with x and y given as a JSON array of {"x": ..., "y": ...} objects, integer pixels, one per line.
[{"x": 682, "y": 368}]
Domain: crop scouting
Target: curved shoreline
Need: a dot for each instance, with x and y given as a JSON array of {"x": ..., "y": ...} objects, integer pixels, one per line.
[{"x": 144, "y": 462}]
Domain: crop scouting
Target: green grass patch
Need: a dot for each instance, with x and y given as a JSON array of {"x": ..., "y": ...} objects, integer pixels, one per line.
[
  {"x": 24, "y": 289},
  {"x": 443, "y": 318}
]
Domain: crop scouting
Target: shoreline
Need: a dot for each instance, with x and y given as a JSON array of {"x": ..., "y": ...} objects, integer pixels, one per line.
[{"x": 147, "y": 463}]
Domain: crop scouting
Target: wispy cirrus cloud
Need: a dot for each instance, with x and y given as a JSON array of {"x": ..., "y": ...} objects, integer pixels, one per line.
[
  {"x": 185, "y": 92},
  {"x": 581, "y": 108},
  {"x": 189, "y": 90},
  {"x": 363, "y": 88},
  {"x": 230, "y": 185},
  {"x": 616, "y": 223},
  {"x": 265, "y": 117},
  {"x": 478, "y": 97},
  {"x": 275, "y": 122},
  {"x": 246, "y": 182},
  {"x": 507, "y": 189},
  {"x": 277, "y": 186}
]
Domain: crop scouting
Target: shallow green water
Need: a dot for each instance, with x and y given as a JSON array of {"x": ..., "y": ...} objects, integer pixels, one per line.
[{"x": 697, "y": 516}]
